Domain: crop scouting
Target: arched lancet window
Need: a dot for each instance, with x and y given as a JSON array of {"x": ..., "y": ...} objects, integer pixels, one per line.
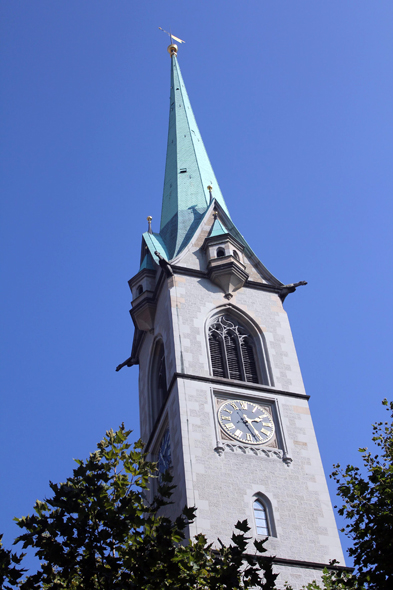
[
  {"x": 261, "y": 519},
  {"x": 236, "y": 255},
  {"x": 139, "y": 290},
  {"x": 232, "y": 351},
  {"x": 220, "y": 252},
  {"x": 158, "y": 384},
  {"x": 161, "y": 379}
]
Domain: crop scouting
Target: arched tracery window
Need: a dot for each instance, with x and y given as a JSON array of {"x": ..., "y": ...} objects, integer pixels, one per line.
[{"x": 232, "y": 351}]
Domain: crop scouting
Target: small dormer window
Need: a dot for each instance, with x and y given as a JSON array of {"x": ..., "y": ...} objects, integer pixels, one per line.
[
  {"x": 139, "y": 290},
  {"x": 220, "y": 252}
]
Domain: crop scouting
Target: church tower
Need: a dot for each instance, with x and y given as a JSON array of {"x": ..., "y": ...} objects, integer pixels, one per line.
[{"x": 221, "y": 396}]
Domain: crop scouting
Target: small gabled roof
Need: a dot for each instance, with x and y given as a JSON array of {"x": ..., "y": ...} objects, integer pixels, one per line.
[
  {"x": 253, "y": 258},
  {"x": 147, "y": 262},
  {"x": 225, "y": 226},
  {"x": 217, "y": 229},
  {"x": 154, "y": 243}
]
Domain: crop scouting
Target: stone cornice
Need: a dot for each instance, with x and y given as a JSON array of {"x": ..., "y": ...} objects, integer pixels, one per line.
[
  {"x": 231, "y": 383},
  {"x": 200, "y": 274},
  {"x": 228, "y": 383}
]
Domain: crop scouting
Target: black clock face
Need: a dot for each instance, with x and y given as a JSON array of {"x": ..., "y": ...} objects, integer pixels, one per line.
[
  {"x": 164, "y": 453},
  {"x": 246, "y": 422}
]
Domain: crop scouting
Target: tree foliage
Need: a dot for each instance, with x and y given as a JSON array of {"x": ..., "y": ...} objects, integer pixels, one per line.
[
  {"x": 97, "y": 531},
  {"x": 10, "y": 572},
  {"x": 333, "y": 579},
  {"x": 367, "y": 505}
]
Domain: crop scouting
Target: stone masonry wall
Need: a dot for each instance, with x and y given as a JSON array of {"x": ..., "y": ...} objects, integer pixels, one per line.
[{"x": 222, "y": 478}]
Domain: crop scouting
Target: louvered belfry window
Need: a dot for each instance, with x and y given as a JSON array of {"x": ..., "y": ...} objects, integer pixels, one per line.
[{"x": 231, "y": 351}]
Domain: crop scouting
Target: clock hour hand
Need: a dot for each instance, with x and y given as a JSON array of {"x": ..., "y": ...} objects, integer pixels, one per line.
[{"x": 259, "y": 420}]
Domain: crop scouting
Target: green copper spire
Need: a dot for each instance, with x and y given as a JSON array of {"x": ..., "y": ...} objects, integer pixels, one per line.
[{"x": 188, "y": 171}]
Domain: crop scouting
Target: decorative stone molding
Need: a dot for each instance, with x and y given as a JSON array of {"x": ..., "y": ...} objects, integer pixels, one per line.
[
  {"x": 270, "y": 453},
  {"x": 219, "y": 449}
]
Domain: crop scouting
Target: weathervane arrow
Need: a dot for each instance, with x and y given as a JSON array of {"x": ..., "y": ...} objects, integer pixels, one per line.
[{"x": 172, "y": 36}]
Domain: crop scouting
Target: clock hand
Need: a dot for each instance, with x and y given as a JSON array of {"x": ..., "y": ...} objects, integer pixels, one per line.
[
  {"x": 249, "y": 421},
  {"x": 253, "y": 419},
  {"x": 259, "y": 420}
]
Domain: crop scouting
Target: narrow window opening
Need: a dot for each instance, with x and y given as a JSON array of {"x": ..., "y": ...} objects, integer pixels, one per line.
[
  {"x": 216, "y": 354},
  {"x": 220, "y": 252},
  {"x": 158, "y": 387},
  {"x": 261, "y": 522},
  {"x": 161, "y": 385},
  {"x": 236, "y": 255},
  {"x": 233, "y": 357},
  {"x": 183, "y": 170},
  {"x": 139, "y": 290},
  {"x": 250, "y": 367}
]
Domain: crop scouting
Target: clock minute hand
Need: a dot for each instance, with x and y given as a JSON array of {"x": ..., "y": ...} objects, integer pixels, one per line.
[
  {"x": 250, "y": 422},
  {"x": 246, "y": 422}
]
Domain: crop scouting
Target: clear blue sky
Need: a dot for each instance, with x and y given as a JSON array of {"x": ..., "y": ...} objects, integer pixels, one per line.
[{"x": 294, "y": 102}]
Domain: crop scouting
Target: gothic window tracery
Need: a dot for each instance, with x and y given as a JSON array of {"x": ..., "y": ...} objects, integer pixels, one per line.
[{"x": 232, "y": 351}]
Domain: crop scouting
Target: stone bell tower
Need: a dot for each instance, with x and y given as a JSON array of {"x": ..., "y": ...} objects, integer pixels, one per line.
[{"x": 221, "y": 396}]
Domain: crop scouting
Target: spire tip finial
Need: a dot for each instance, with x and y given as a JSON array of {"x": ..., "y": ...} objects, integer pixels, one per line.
[
  {"x": 149, "y": 219},
  {"x": 172, "y": 48}
]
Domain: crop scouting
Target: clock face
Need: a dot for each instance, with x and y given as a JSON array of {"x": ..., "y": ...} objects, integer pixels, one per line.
[
  {"x": 164, "y": 453},
  {"x": 246, "y": 422}
]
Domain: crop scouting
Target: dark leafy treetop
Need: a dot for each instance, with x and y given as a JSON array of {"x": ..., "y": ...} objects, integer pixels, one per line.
[
  {"x": 97, "y": 531},
  {"x": 367, "y": 505}
]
